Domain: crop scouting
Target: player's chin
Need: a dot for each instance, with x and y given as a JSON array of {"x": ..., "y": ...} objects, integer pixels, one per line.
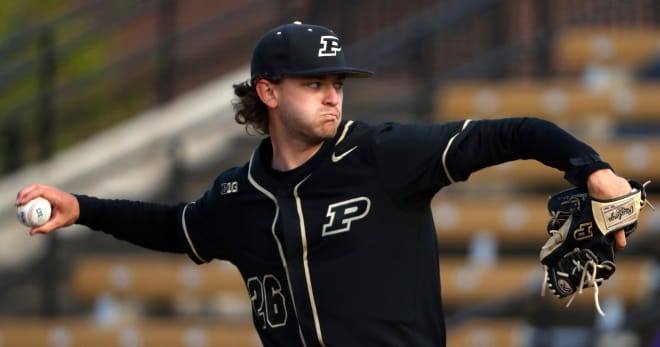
[
  {"x": 330, "y": 120},
  {"x": 324, "y": 132}
]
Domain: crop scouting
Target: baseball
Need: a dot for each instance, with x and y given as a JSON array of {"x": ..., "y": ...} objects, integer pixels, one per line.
[{"x": 36, "y": 212}]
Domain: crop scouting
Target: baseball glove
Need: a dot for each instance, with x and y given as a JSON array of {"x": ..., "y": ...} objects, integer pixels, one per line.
[{"x": 580, "y": 251}]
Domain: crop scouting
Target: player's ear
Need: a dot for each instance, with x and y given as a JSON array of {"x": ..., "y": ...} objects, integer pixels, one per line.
[{"x": 266, "y": 91}]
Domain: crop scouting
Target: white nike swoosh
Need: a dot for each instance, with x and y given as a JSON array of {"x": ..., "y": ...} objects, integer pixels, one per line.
[{"x": 335, "y": 158}]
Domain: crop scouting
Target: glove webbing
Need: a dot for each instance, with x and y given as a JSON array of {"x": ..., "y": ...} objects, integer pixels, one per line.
[{"x": 587, "y": 277}]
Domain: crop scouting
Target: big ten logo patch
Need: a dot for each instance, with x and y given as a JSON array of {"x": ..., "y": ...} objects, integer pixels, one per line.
[
  {"x": 341, "y": 214},
  {"x": 330, "y": 46},
  {"x": 228, "y": 187}
]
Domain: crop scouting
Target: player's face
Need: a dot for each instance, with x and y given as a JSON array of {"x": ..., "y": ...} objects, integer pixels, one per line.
[{"x": 309, "y": 108}]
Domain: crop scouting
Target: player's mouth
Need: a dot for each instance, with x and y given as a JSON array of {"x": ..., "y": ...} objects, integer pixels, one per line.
[{"x": 330, "y": 115}]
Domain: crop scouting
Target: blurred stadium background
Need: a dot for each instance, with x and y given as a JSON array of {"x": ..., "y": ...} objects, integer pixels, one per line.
[{"x": 132, "y": 99}]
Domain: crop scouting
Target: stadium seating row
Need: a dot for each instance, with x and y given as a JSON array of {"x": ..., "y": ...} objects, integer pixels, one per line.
[
  {"x": 575, "y": 48},
  {"x": 80, "y": 332},
  {"x": 558, "y": 100},
  {"x": 465, "y": 283},
  {"x": 490, "y": 333},
  {"x": 158, "y": 279},
  {"x": 610, "y": 91},
  {"x": 513, "y": 220}
]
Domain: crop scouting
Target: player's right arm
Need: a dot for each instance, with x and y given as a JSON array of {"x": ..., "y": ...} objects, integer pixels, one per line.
[
  {"x": 65, "y": 207},
  {"x": 146, "y": 224}
]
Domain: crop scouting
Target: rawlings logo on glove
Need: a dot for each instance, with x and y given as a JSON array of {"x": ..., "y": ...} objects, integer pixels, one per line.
[{"x": 580, "y": 251}]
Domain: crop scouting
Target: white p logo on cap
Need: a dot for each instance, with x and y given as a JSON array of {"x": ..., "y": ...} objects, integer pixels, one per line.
[{"x": 329, "y": 46}]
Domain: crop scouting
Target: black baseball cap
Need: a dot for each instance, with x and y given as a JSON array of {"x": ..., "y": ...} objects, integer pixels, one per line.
[{"x": 298, "y": 49}]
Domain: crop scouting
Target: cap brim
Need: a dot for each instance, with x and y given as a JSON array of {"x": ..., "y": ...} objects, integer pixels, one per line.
[{"x": 348, "y": 71}]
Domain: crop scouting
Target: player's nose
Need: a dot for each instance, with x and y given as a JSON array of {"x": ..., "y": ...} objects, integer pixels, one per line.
[{"x": 332, "y": 96}]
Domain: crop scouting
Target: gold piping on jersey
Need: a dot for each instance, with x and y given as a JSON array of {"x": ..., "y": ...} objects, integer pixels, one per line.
[
  {"x": 444, "y": 153},
  {"x": 272, "y": 197},
  {"x": 187, "y": 235},
  {"x": 308, "y": 280},
  {"x": 343, "y": 133}
]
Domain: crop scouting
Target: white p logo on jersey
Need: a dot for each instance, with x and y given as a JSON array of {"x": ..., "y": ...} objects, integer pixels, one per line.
[
  {"x": 329, "y": 46},
  {"x": 342, "y": 214}
]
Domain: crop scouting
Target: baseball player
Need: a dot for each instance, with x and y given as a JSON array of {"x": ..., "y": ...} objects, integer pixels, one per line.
[{"x": 329, "y": 222}]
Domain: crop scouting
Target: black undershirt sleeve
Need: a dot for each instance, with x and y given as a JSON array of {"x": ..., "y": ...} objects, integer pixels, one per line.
[
  {"x": 489, "y": 142},
  {"x": 149, "y": 225}
]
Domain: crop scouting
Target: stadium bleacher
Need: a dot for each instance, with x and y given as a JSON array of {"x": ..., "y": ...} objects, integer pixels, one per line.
[
  {"x": 628, "y": 47},
  {"x": 595, "y": 93},
  {"x": 509, "y": 220},
  {"x": 154, "y": 332},
  {"x": 160, "y": 280},
  {"x": 466, "y": 282},
  {"x": 564, "y": 100},
  {"x": 155, "y": 278},
  {"x": 490, "y": 333}
]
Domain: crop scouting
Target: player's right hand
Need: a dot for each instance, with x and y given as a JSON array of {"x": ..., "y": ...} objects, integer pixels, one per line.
[{"x": 65, "y": 207}]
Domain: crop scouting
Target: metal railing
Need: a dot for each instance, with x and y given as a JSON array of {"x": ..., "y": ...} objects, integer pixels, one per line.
[{"x": 64, "y": 108}]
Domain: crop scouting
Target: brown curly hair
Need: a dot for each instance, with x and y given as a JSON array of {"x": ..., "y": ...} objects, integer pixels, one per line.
[{"x": 248, "y": 107}]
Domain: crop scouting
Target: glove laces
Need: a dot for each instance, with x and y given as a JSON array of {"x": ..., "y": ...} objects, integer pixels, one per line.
[
  {"x": 588, "y": 278},
  {"x": 645, "y": 201}
]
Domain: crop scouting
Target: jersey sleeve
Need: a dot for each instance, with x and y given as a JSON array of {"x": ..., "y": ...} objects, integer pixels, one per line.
[
  {"x": 418, "y": 160},
  {"x": 409, "y": 158},
  {"x": 197, "y": 228},
  {"x": 146, "y": 224},
  {"x": 485, "y": 143},
  {"x": 202, "y": 225}
]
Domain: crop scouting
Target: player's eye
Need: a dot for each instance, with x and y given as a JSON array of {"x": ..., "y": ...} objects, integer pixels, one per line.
[
  {"x": 314, "y": 85},
  {"x": 339, "y": 85}
]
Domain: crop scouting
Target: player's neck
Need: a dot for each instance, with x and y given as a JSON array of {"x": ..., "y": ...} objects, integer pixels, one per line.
[{"x": 289, "y": 154}]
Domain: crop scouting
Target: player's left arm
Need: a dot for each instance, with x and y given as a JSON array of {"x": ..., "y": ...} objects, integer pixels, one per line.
[
  {"x": 489, "y": 142},
  {"x": 484, "y": 143}
]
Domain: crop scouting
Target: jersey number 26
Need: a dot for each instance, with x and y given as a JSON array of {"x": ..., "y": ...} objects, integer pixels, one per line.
[{"x": 268, "y": 302}]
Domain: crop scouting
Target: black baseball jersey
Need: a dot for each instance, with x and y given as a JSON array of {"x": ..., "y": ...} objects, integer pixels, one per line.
[{"x": 342, "y": 250}]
